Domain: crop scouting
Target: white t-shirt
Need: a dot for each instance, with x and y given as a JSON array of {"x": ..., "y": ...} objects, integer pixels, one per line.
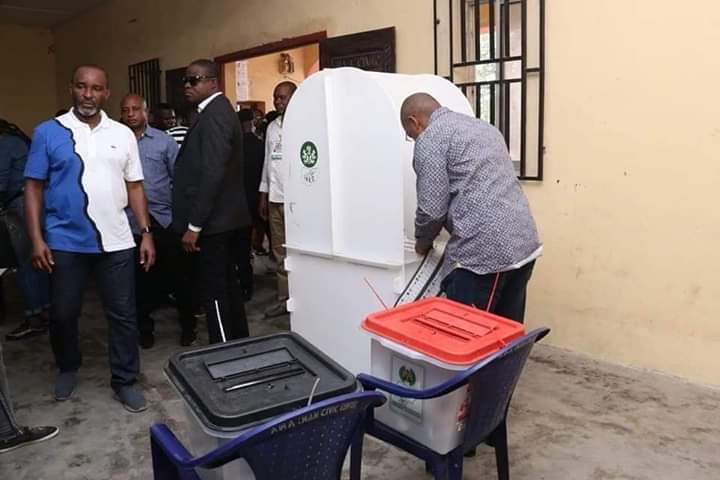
[{"x": 85, "y": 170}]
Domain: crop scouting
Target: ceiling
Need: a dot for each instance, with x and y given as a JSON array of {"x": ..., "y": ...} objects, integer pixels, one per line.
[{"x": 42, "y": 13}]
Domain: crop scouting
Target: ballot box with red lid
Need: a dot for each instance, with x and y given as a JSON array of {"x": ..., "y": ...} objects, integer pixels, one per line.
[{"x": 423, "y": 344}]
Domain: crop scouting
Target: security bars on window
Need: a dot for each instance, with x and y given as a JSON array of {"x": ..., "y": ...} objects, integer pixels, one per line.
[
  {"x": 145, "y": 80},
  {"x": 494, "y": 51}
]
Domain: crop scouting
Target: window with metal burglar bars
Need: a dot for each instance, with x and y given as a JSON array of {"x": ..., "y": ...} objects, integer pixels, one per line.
[
  {"x": 145, "y": 80},
  {"x": 494, "y": 51}
]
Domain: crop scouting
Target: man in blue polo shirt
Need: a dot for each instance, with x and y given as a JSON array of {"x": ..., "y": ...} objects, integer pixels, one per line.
[{"x": 83, "y": 169}]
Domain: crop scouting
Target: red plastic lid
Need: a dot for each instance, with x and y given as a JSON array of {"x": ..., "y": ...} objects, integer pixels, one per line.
[{"x": 448, "y": 331}]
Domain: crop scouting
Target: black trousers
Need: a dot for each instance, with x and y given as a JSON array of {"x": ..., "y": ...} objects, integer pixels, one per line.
[
  {"x": 216, "y": 280},
  {"x": 165, "y": 277},
  {"x": 502, "y": 293},
  {"x": 244, "y": 266},
  {"x": 115, "y": 278}
]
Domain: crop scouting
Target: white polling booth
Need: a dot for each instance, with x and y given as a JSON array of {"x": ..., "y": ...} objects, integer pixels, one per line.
[{"x": 350, "y": 204}]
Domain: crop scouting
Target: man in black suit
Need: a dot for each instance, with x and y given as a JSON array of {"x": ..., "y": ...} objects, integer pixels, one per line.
[{"x": 209, "y": 204}]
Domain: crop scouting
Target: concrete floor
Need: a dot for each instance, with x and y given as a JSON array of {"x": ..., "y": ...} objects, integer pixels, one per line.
[{"x": 571, "y": 418}]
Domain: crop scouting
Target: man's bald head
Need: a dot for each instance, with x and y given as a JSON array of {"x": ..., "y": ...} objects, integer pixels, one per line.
[
  {"x": 282, "y": 94},
  {"x": 419, "y": 104},
  {"x": 133, "y": 112},
  {"x": 415, "y": 113},
  {"x": 79, "y": 70},
  {"x": 133, "y": 98}
]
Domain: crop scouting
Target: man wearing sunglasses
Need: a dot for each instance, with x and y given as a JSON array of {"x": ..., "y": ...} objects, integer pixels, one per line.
[{"x": 209, "y": 205}]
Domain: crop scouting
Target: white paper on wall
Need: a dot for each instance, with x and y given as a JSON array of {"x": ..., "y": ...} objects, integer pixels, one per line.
[{"x": 242, "y": 83}]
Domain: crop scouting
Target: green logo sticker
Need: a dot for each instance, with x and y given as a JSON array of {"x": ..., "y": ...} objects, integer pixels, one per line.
[
  {"x": 407, "y": 375},
  {"x": 309, "y": 154}
]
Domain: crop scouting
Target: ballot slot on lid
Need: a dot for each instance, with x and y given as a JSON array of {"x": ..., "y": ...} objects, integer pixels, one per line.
[
  {"x": 240, "y": 372},
  {"x": 230, "y": 387}
]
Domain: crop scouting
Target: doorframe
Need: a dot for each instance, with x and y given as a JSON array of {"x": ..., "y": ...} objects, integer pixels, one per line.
[{"x": 265, "y": 49}]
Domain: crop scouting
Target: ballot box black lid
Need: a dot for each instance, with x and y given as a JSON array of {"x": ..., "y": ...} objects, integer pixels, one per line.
[{"x": 237, "y": 383}]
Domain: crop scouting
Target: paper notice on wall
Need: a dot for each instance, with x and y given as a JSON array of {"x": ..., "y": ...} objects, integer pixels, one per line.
[{"x": 242, "y": 83}]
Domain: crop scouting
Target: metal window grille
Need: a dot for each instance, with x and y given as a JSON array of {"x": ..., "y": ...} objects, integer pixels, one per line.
[
  {"x": 145, "y": 80},
  {"x": 494, "y": 51}
]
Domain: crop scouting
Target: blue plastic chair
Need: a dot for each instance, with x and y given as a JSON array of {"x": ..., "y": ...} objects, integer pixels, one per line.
[
  {"x": 307, "y": 444},
  {"x": 491, "y": 382}
]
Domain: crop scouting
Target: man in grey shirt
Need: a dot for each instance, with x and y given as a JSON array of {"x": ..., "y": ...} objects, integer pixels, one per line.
[{"x": 466, "y": 183}]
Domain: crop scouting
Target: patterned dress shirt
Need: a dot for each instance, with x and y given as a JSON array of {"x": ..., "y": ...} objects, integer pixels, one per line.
[{"x": 466, "y": 183}]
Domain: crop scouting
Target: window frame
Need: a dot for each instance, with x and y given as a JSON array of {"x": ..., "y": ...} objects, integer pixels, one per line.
[{"x": 499, "y": 55}]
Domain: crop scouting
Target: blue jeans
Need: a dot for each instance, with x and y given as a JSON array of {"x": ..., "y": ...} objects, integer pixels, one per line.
[
  {"x": 8, "y": 426},
  {"x": 502, "y": 293},
  {"x": 115, "y": 279},
  {"x": 35, "y": 288},
  {"x": 34, "y": 284}
]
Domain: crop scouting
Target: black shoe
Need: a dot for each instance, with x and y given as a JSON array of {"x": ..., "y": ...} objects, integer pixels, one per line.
[
  {"x": 276, "y": 310},
  {"x": 132, "y": 398},
  {"x": 27, "y": 329},
  {"x": 147, "y": 340},
  {"x": 28, "y": 436},
  {"x": 65, "y": 385},
  {"x": 188, "y": 339}
]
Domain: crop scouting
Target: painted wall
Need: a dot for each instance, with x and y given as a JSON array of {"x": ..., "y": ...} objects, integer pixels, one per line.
[
  {"x": 27, "y": 85},
  {"x": 627, "y": 209},
  {"x": 120, "y": 33},
  {"x": 264, "y": 75}
]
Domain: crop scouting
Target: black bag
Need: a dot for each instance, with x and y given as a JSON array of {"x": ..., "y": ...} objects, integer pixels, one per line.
[{"x": 14, "y": 242}]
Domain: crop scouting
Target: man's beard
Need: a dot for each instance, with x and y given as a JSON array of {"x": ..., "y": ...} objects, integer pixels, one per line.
[{"x": 87, "y": 111}]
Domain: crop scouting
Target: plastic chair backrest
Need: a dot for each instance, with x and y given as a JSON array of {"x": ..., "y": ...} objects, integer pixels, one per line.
[
  {"x": 310, "y": 444},
  {"x": 491, "y": 387}
]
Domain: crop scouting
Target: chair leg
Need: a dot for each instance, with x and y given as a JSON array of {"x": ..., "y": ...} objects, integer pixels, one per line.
[
  {"x": 163, "y": 468},
  {"x": 455, "y": 466},
  {"x": 440, "y": 469},
  {"x": 501, "y": 452},
  {"x": 356, "y": 456}
]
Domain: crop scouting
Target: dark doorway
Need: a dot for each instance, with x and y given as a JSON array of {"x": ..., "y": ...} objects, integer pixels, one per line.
[{"x": 373, "y": 50}]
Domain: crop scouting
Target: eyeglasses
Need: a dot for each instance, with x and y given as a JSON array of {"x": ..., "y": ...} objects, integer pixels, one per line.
[{"x": 195, "y": 79}]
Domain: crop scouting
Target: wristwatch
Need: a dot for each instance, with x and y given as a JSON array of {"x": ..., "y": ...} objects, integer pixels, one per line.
[{"x": 145, "y": 230}]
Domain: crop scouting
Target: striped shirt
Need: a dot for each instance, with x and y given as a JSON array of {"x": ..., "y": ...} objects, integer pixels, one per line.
[{"x": 178, "y": 133}]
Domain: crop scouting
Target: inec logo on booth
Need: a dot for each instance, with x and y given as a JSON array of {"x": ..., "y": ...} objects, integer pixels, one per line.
[{"x": 309, "y": 154}]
